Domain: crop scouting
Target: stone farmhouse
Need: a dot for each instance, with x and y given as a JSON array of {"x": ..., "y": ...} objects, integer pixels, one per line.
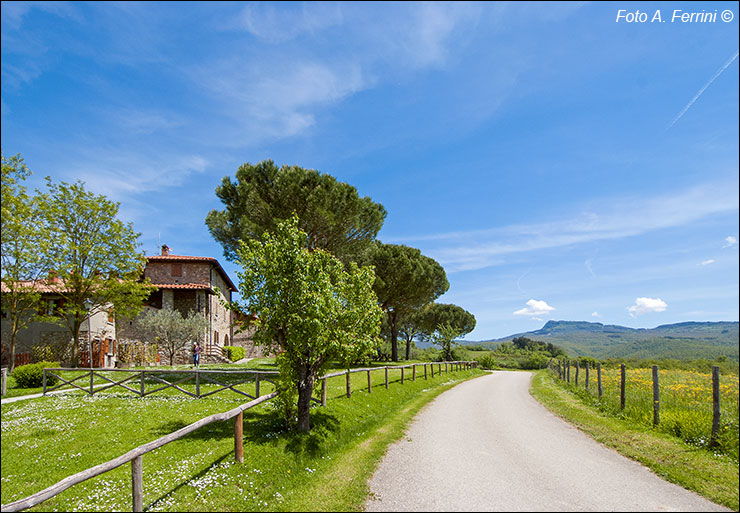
[{"x": 184, "y": 283}]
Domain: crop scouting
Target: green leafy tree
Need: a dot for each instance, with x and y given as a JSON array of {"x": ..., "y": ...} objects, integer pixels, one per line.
[
  {"x": 330, "y": 212},
  {"x": 405, "y": 280},
  {"x": 23, "y": 244},
  {"x": 308, "y": 305},
  {"x": 435, "y": 314},
  {"x": 94, "y": 256},
  {"x": 171, "y": 331},
  {"x": 444, "y": 337}
]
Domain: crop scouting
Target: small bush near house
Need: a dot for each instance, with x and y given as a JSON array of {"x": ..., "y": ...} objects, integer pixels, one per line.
[
  {"x": 32, "y": 375},
  {"x": 235, "y": 353}
]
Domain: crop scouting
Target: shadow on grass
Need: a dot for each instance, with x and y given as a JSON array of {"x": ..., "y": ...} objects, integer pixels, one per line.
[{"x": 186, "y": 480}]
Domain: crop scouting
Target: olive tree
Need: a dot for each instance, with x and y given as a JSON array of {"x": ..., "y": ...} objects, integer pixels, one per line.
[
  {"x": 171, "y": 331},
  {"x": 308, "y": 305}
]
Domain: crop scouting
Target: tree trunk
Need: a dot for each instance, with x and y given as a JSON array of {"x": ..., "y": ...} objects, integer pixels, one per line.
[
  {"x": 13, "y": 332},
  {"x": 306, "y": 381},
  {"x": 76, "y": 343},
  {"x": 394, "y": 336},
  {"x": 408, "y": 348}
]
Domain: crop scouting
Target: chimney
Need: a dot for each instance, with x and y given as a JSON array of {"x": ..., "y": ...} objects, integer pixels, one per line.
[{"x": 165, "y": 250}]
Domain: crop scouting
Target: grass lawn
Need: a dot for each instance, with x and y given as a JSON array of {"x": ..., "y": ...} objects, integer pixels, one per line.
[
  {"x": 714, "y": 476},
  {"x": 47, "y": 439}
]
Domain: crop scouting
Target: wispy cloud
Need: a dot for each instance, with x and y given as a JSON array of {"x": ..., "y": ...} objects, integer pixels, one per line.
[
  {"x": 611, "y": 218},
  {"x": 708, "y": 262},
  {"x": 730, "y": 241},
  {"x": 645, "y": 305},
  {"x": 701, "y": 91}
]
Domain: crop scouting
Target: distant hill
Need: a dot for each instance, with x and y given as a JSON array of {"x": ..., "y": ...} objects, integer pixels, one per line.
[{"x": 682, "y": 341}]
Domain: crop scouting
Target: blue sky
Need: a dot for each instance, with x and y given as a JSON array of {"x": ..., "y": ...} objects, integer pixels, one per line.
[{"x": 558, "y": 162}]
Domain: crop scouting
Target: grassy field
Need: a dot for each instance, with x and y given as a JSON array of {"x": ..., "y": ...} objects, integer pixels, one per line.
[
  {"x": 50, "y": 438},
  {"x": 709, "y": 473}
]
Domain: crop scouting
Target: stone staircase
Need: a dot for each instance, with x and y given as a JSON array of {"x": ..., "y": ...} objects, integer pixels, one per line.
[{"x": 213, "y": 354}]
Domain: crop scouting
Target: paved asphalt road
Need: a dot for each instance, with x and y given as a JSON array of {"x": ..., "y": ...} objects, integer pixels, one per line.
[{"x": 487, "y": 445}]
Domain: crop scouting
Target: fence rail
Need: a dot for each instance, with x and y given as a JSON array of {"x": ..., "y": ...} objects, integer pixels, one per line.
[
  {"x": 135, "y": 456},
  {"x": 196, "y": 375}
]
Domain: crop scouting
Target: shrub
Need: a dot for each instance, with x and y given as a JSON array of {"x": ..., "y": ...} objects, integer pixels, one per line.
[
  {"x": 235, "y": 353},
  {"x": 487, "y": 362},
  {"x": 32, "y": 375}
]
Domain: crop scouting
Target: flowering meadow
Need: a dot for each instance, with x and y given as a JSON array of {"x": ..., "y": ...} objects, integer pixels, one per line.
[
  {"x": 685, "y": 403},
  {"x": 47, "y": 439}
]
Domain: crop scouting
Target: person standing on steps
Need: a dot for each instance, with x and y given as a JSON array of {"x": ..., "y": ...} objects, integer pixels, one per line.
[{"x": 196, "y": 355}]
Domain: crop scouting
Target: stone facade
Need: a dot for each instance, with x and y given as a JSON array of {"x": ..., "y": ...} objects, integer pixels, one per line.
[{"x": 185, "y": 283}]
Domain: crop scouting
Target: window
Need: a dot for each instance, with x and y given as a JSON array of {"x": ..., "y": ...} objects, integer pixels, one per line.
[
  {"x": 176, "y": 269},
  {"x": 155, "y": 299}
]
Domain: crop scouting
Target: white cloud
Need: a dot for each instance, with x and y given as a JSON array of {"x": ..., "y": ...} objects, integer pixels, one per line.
[
  {"x": 595, "y": 314},
  {"x": 708, "y": 262},
  {"x": 535, "y": 308},
  {"x": 730, "y": 241},
  {"x": 645, "y": 305}
]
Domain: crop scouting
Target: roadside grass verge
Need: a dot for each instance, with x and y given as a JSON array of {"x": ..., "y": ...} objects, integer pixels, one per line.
[
  {"x": 50, "y": 438},
  {"x": 713, "y": 476}
]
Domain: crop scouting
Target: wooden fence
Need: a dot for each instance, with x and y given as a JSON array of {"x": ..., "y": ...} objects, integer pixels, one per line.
[
  {"x": 197, "y": 376},
  {"x": 135, "y": 456},
  {"x": 563, "y": 372},
  {"x": 448, "y": 366}
]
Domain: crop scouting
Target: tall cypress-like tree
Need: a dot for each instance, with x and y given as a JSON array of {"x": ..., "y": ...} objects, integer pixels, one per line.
[{"x": 330, "y": 212}]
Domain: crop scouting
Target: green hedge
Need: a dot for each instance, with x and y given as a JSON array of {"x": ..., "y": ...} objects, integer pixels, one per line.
[
  {"x": 235, "y": 353},
  {"x": 32, "y": 375}
]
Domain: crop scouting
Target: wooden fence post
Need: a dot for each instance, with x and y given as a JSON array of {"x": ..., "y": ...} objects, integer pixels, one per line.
[
  {"x": 598, "y": 379},
  {"x": 715, "y": 407},
  {"x": 622, "y": 385},
  {"x": 413, "y": 372},
  {"x": 402, "y": 369},
  {"x": 197, "y": 383},
  {"x": 137, "y": 483},
  {"x": 369, "y": 383},
  {"x": 587, "y": 369},
  {"x": 349, "y": 389},
  {"x": 141, "y": 385},
  {"x": 5, "y": 377},
  {"x": 425, "y": 371},
  {"x": 656, "y": 397},
  {"x": 323, "y": 392},
  {"x": 578, "y": 368},
  {"x": 432, "y": 366},
  {"x": 91, "y": 382},
  {"x": 386, "y": 377},
  {"x": 239, "y": 437},
  {"x": 567, "y": 362},
  {"x": 257, "y": 385}
]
